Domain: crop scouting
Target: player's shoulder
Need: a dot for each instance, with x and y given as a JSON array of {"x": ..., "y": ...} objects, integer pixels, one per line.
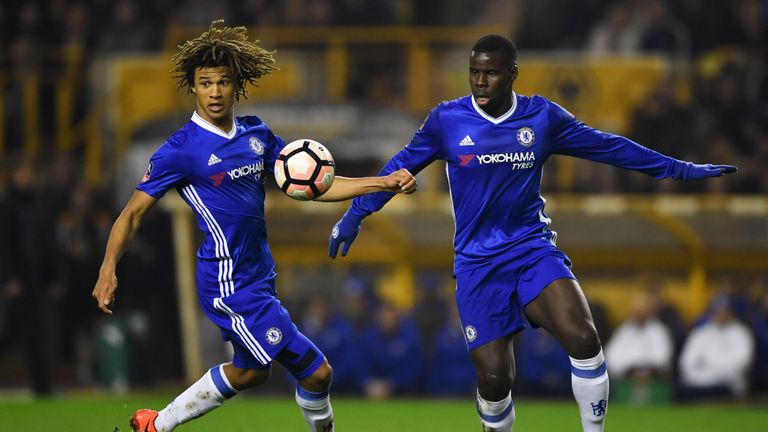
[
  {"x": 249, "y": 121},
  {"x": 534, "y": 102},
  {"x": 179, "y": 139},
  {"x": 541, "y": 102},
  {"x": 460, "y": 103},
  {"x": 447, "y": 110}
]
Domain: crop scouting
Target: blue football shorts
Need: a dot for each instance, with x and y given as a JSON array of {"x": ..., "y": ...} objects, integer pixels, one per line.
[
  {"x": 491, "y": 298},
  {"x": 261, "y": 331}
]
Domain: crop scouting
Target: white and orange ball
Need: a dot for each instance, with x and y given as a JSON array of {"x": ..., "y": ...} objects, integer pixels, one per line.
[{"x": 304, "y": 169}]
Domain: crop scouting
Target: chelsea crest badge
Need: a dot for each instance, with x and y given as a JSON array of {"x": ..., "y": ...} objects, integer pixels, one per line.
[
  {"x": 256, "y": 145},
  {"x": 526, "y": 136}
]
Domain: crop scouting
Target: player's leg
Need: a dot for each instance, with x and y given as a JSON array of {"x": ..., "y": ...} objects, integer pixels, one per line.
[
  {"x": 490, "y": 316},
  {"x": 495, "y": 368},
  {"x": 250, "y": 366},
  {"x": 220, "y": 383},
  {"x": 562, "y": 310},
  {"x": 314, "y": 375}
]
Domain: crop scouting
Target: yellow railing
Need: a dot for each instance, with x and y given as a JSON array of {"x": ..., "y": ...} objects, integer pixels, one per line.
[{"x": 140, "y": 88}]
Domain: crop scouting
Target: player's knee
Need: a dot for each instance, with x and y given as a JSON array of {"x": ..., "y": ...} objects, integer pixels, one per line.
[
  {"x": 584, "y": 344},
  {"x": 242, "y": 379},
  {"x": 320, "y": 380},
  {"x": 493, "y": 385}
]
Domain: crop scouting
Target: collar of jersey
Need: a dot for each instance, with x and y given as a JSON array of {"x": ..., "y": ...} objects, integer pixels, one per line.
[
  {"x": 501, "y": 118},
  {"x": 213, "y": 129}
]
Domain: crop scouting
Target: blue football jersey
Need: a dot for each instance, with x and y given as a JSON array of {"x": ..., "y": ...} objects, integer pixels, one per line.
[
  {"x": 494, "y": 168},
  {"x": 221, "y": 177}
]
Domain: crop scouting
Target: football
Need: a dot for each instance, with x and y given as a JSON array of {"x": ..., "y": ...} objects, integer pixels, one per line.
[{"x": 304, "y": 169}]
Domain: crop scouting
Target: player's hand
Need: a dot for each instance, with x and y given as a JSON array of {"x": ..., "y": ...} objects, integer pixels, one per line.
[
  {"x": 345, "y": 231},
  {"x": 400, "y": 181},
  {"x": 104, "y": 292},
  {"x": 692, "y": 171}
]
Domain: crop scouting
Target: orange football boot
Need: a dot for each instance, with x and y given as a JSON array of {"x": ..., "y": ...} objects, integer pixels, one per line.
[{"x": 143, "y": 420}]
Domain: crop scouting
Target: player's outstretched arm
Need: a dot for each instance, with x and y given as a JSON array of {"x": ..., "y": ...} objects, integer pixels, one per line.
[
  {"x": 690, "y": 171},
  {"x": 345, "y": 231},
  {"x": 344, "y": 188},
  {"x": 123, "y": 230}
]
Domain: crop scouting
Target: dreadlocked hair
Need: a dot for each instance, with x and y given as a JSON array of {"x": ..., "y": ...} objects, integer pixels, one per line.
[{"x": 223, "y": 46}]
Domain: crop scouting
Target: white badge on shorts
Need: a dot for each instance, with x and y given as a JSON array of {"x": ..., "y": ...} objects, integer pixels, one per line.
[
  {"x": 274, "y": 336},
  {"x": 470, "y": 332}
]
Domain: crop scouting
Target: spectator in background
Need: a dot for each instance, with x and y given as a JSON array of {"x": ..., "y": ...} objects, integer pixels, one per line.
[
  {"x": 357, "y": 303},
  {"x": 760, "y": 327},
  {"x": 393, "y": 356},
  {"x": 664, "y": 122},
  {"x": 618, "y": 33},
  {"x": 662, "y": 33},
  {"x": 27, "y": 231},
  {"x": 429, "y": 310},
  {"x": 336, "y": 338},
  {"x": 128, "y": 32},
  {"x": 450, "y": 370},
  {"x": 667, "y": 313},
  {"x": 543, "y": 367},
  {"x": 81, "y": 234},
  {"x": 717, "y": 355},
  {"x": 640, "y": 353}
]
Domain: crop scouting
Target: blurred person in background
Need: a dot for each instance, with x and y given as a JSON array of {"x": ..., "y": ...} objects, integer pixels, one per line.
[
  {"x": 81, "y": 234},
  {"x": 430, "y": 309},
  {"x": 640, "y": 354},
  {"x": 716, "y": 357},
  {"x": 218, "y": 164},
  {"x": 760, "y": 327},
  {"x": 542, "y": 368},
  {"x": 336, "y": 338},
  {"x": 29, "y": 285},
  {"x": 394, "y": 359},
  {"x": 509, "y": 272},
  {"x": 449, "y": 371},
  {"x": 618, "y": 33}
]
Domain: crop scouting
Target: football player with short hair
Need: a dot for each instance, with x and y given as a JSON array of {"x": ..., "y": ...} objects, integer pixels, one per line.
[{"x": 508, "y": 271}]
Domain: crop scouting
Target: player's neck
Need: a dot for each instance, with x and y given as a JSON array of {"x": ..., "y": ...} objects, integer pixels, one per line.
[
  {"x": 225, "y": 124},
  {"x": 498, "y": 110}
]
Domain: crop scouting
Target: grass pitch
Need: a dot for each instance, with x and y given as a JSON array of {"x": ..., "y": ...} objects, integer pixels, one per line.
[{"x": 280, "y": 414}]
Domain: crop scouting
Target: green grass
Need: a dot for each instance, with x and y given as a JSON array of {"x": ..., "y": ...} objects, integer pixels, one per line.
[{"x": 280, "y": 414}]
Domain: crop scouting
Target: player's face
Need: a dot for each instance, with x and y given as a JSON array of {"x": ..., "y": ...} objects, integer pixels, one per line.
[
  {"x": 490, "y": 77},
  {"x": 214, "y": 90}
]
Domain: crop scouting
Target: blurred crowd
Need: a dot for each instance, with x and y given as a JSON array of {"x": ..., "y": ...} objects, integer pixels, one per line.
[
  {"x": 54, "y": 224},
  {"x": 653, "y": 355},
  {"x": 54, "y": 229},
  {"x": 712, "y": 107}
]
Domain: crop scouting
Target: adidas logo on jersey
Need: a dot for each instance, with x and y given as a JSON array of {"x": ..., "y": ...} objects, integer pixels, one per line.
[
  {"x": 466, "y": 141},
  {"x": 213, "y": 160}
]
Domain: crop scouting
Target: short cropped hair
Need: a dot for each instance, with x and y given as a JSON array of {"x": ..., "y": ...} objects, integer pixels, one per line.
[{"x": 494, "y": 43}]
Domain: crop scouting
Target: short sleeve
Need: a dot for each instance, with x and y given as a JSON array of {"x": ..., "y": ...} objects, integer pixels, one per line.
[
  {"x": 167, "y": 169},
  {"x": 274, "y": 145}
]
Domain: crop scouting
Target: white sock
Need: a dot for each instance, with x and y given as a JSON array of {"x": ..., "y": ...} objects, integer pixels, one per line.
[
  {"x": 207, "y": 393},
  {"x": 316, "y": 409},
  {"x": 589, "y": 379},
  {"x": 496, "y": 416}
]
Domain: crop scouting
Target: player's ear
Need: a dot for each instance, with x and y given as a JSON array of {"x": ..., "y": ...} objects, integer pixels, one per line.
[{"x": 513, "y": 72}]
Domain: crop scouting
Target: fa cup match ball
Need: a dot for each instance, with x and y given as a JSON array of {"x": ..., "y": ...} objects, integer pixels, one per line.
[{"x": 304, "y": 169}]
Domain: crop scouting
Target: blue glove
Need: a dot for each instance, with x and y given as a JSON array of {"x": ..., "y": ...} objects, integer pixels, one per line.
[
  {"x": 345, "y": 231},
  {"x": 692, "y": 171}
]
